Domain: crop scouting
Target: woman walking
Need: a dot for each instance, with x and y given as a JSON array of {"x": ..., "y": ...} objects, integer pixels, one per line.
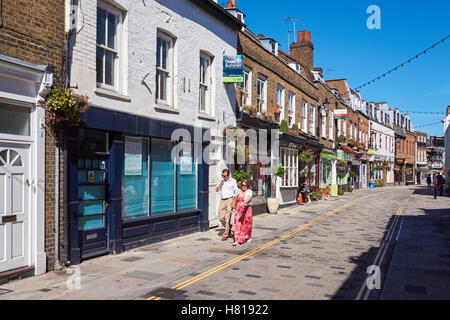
[{"x": 243, "y": 215}]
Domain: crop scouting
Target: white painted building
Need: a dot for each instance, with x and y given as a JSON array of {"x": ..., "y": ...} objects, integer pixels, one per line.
[
  {"x": 447, "y": 145},
  {"x": 382, "y": 141},
  {"x": 22, "y": 164},
  {"x": 163, "y": 61}
]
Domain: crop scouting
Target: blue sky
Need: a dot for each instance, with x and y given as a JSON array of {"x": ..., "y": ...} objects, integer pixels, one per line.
[{"x": 346, "y": 48}]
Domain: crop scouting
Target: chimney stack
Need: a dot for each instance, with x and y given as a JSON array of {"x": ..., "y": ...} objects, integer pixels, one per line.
[
  {"x": 231, "y": 4},
  {"x": 303, "y": 50}
]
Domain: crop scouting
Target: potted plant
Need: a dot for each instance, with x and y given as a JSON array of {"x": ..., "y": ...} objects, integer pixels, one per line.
[
  {"x": 273, "y": 203},
  {"x": 284, "y": 126}
]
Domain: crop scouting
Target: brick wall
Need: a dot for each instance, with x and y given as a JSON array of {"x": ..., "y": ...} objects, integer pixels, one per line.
[
  {"x": 264, "y": 63},
  {"x": 33, "y": 31}
]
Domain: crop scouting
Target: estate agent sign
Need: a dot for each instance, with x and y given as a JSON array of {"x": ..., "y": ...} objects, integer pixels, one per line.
[{"x": 233, "y": 69}]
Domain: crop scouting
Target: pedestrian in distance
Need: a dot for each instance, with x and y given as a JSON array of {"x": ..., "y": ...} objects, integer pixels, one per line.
[
  {"x": 228, "y": 190},
  {"x": 429, "y": 181},
  {"x": 243, "y": 215},
  {"x": 304, "y": 189},
  {"x": 440, "y": 183}
]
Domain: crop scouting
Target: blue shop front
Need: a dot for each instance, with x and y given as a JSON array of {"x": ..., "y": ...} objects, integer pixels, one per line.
[{"x": 124, "y": 188}]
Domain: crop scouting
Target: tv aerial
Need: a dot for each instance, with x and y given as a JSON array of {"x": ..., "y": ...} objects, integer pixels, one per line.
[{"x": 294, "y": 20}]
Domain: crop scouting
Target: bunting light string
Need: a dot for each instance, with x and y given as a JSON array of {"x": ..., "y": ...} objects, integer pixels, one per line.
[
  {"x": 423, "y": 112},
  {"x": 403, "y": 64},
  {"x": 428, "y": 125}
]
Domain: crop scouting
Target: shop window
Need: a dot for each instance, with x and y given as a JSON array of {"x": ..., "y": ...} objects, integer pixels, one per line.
[
  {"x": 187, "y": 181},
  {"x": 173, "y": 186},
  {"x": 289, "y": 161},
  {"x": 14, "y": 119},
  {"x": 163, "y": 177},
  {"x": 135, "y": 188},
  {"x": 313, "y": 172}
]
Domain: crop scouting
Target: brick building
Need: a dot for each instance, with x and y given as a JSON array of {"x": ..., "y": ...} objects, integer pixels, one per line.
[
  {"x": 32, "y": 56},
  {"x": 421, "y": 157},
  {"x": 282, "y": 88}
]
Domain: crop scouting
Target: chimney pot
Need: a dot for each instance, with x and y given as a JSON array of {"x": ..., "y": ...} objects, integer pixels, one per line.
[
  {"x": 307, "y": 36},
  {"x": 300, "y": 36}
]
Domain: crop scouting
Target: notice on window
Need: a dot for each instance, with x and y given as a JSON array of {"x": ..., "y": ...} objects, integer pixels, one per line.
[
  {"x": 133, "y": 157},
  {"x": 185, "y": 165}
]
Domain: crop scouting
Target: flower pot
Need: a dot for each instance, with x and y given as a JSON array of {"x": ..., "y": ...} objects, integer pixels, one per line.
[{"x": 273, "y": 204}]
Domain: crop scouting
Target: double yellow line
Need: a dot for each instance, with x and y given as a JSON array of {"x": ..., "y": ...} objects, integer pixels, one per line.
[{"x": 289, "y": 234}]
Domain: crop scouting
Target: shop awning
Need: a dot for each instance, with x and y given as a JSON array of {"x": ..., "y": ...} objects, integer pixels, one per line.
[
  {"x": 299, "y": 142},
  {"x": 328, "y": 155}
]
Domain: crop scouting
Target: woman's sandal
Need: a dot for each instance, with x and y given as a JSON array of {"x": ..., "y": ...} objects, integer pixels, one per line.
[
  {"x": 235, "y": 244},
  {"x": 249, "y": 240}
]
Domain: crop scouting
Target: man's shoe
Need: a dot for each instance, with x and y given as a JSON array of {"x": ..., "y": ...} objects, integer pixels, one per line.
[{"x": 224, "y": 238}]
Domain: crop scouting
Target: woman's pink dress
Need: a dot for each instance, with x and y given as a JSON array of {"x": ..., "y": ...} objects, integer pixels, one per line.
[{"x": 243, "y": 221}]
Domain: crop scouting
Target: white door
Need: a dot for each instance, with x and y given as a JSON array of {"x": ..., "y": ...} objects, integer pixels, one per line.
[{"x": 14, "y": 206}]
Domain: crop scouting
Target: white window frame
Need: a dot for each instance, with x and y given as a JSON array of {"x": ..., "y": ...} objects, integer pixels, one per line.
[
  {"x": 168, "y": 70},
  {"x": 350, "y": 130},
  {"x": 291, "y": 108},
  {"x": 280, "y": 101},
  {"x": 304, "y": 116},
  {"x": 331, "y": 126},
  {"x": 207, "y": 85},
  {"x": 324, "y": 123},
  {"x": 289, "y": 162},
  {"x": 344, "y": 127},
  {"x": 117, "y": 51},
  {"x": 246, "y": 87},
  {"x": 339, "y": 127},
  {"x": 312, "y": 120},
  {"x": 261, "y": 101}
]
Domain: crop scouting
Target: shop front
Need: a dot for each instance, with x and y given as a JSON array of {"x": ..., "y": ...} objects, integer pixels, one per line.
[
  {"x": 409, "y": 174},
  {"x": 376, "y": 168},
  {"x": 361, "y": 169},
  {"x": 328, "y": 160},
  {"x": 399, "y": 172},
  {"x": 130, "y": 185},
  {"x": 344, "y": 179},
  {"x": 290, "y": 149},
  {"x": 260, "y": 176}
]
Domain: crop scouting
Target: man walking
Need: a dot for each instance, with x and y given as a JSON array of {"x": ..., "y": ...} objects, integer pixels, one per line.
[
  {"x": 228, "y": 190},
  {"x": 438, "y": 184}
]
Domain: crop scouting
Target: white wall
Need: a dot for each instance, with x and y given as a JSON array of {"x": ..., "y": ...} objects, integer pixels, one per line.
[{"x": 194, "y": 30}]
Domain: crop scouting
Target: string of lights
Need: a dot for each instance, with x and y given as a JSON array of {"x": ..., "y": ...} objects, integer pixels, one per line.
[
  {"x": 403, "y": 64},
  {"x": 428, "y": 125},
  {"x": 423, "y": 112}
]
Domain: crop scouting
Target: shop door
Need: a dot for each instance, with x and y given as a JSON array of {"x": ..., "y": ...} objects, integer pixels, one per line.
[
  {"x": 14, "y": 206},
  {"x": 93, "y": 206},
  {"x": 363, "y": 177}
]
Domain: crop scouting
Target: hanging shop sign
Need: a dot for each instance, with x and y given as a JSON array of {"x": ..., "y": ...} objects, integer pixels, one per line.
[
  {"x": 233, "y": 69},
  {"x": 371, "y": 151},
  {"x": 340, "y": 114}
]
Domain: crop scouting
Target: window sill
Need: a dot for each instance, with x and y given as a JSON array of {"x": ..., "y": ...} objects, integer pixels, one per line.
[
  {"x": 166, "y": 108},
  {"x": 206, "y": 117},
  {"x": 112, "y": 94}
]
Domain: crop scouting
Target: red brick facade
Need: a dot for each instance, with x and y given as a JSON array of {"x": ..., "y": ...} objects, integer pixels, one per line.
[{"x": 33, "y": 31}]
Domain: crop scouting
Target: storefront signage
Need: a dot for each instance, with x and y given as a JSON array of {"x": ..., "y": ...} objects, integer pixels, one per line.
[
  {"x": 233, "y": 69},
  {"x": 340, "y": 113},
  {"x": 371, "y": 151},
  {"x": 328, "y": 155}
]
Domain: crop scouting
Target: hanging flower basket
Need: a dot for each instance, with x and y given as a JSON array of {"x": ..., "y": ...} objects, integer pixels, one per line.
[
  {"x": 305, "y": 157},
  {"x": 63, "y": 108}
]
